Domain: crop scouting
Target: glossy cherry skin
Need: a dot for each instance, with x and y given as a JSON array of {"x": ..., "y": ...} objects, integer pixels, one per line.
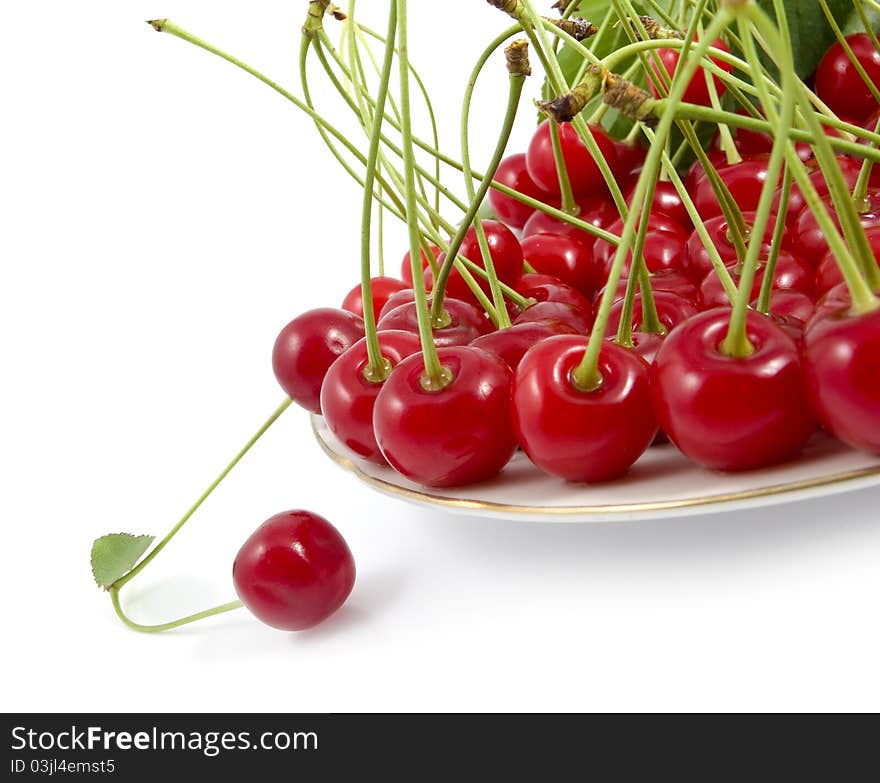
[
  {"x": 725, "y": 413},
  {"x": 547, "y": 288},
  {"x": 672, "y": 309},
  {"x": 307, "y": 346},
  {"x": 828, "y": 273},
  {"x": 839, "y": 84},
  {"x": 382, "y": 288},
  {"x": 697, "y": 263},
  {"x": 810, "y": 240},
  {"x": 448, "y": 438},
  {"x": 667, "y": 202},
  {"x": 583, "y": 173},
  {"x": 406, "y": 266},
  {"x": 745, "y": 181},
  {"x": 396, "y": 299},
  {"x": 294, "y": 571},
  {"x": 831, "y": 303},
  {"x": 582, "y": 436},
  {"x": 842, "y": 359},
  {"x": 564, "y": 258},
  {"x": 697, "y": 91},
  {"x": 595, "y": 210},
  {"x": 513, "y": 173},
  {"x": 797, "y": 203},
  {"x": 467, "y": 323},
  {"x": 348, "y": 397},
  {"x": 663, "y": 250},
  {"x": 510, "y": 344},
  {"x": 791, "y": 274},
  {"x": 630, "y": 162},
  {"x": 666, "y": 280},
  {"x": 790, "y": 305},
  {"x": 579, "y": 320}
]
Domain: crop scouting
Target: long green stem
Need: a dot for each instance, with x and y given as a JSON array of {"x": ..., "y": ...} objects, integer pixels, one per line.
[
  {"x": 119, "y": 583},
  {"x": 586, "y": 375},
  {"x": 190, "y": 618},
  {"x": 378, "y": 367}
]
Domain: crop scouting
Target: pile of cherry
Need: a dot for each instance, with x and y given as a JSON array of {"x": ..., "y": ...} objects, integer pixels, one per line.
[{"x": 814, "y": 362}]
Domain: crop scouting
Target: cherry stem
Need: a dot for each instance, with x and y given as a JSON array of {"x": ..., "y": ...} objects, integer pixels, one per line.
[
  {"x": 586, "y": 375},
  {"x": 736, "y": 342},
  {"x": 775, "y": 244},
  {"x": 860, "y": 192},
  {"x": 516, "y": 81},
  {"x": 436, "y": 376},
  {"x": 123, "y": 580},
  {"x": 190, "y": 618},
  {"x": 567, "y": 195}
]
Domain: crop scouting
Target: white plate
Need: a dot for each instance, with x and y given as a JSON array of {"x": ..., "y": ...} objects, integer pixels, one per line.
[{"x": 661, "y": 484}]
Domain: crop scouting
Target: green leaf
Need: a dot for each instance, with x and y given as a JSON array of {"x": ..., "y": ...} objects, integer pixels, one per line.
[
  {"x": 114, "y": 555},
  {"x": 811, "y": 35}
]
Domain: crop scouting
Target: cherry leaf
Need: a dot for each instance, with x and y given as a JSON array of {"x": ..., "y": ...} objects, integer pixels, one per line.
[{"x": 115, "y": 555}]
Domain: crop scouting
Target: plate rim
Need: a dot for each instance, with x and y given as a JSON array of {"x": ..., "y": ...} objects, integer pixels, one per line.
[{"x": 613, "y": 509}]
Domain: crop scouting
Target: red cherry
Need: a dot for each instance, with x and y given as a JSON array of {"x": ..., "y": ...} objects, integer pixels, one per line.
[
  {"x": 406, "y": 266},
  {"x": 562, "y": 257},
  {"x": 307, "y": 346},
  {"x": 294, "y": 571},
  {"x": 546, "y": 288},
  {"x": 347, "y": 397},
  {"x": 630, "y": 161},
  {"x": 665, "y": 280},
  {"x": 672, "y": 309},
  {"x": 583, "y": 173},
  {"x": 697, "y": 91},
  {"x": 731, "y": 413},
  {"x": 510, "y": 344},
  {"x": 382, "y": 288},
  {"x": 697, "y": 263},
  {"x": 796, "y": 201},
  {"x": 396, "y": 300},
  {"x": 833, "y": 302},
  {"x": 842, "y": 358},
  {"x": 582, "y": 436},
  {"x": 828, "y": 274},
  {"x": 662, "y": 250},
  {"x": 810, "y": 240},
  {"x": 668, "y": 203},
  {"x": 581, "y": 321},
  {"x": 744, "y": 180},
  {"x": 839, "y": 84},
  {"x": 512, "y": 172},
  {"x": 458, "y": 435},
  {"x": 596, "y": 210},
  {"x": 790, "y": 304},
  {"x": 467, "y": 323},
  {"x": 791, "y": 274}
]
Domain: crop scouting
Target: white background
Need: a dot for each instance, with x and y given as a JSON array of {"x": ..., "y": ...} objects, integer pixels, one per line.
[{"x": 163, "y": 215}]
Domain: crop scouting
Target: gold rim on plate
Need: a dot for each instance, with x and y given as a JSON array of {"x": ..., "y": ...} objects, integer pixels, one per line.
[{"x": 425, "y": 496}]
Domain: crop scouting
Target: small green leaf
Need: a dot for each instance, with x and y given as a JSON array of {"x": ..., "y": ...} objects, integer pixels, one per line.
[{"x": 115, "y": 555}]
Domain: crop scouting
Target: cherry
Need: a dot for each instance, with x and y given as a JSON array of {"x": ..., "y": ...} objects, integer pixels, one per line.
[
  {"x": 810, "y": 240},
  {"x": 583, "y": 173},
  {"x": 790, "y": 304},
  {"x": 513, "y": 173},
  {"x": 646, "y": 345},
  {"x": 581, "y": 321},
  {"x": 833, "y": 302},
  {"x": 406, "y": 266},
  {"x": 396, "y": 300},
  {"x": 307, "y": 346},
  {"x": 697, "y": 91},
  {"x": 507, "y": 258},
  {"x": 665, "y": 280},
  {"x": 839, "y": 84},
  {"x": 744, "y": 180},
  {"x": 564, "y": 258},
  {"x": 842, "y": 358},
  {"x": 667, "y": 202},
  {"x": 731, "y": 413},
  {"x": 467, "y": 322},
  {"x": 662, "y": 250},
  {"x": 582, "y": 436},
  {"x": 750, "y": 142},
  {"x": 294, "y": 571},
  {"x": 828, "y": 273},
  {"x": 697, "y": 263},
  {"x": 672, "y": 309},
  {"x": 797, "y": 204},
  {"x": 510, "y": 344},
  {"x": 546, "y": 288},
  {"x": 458, "y": 435},
  {"x": 630, "y": 161},
  {"x": 790, "y": 274},
  {"x": 597, "y": 211},
  {"x": 348, "y": 397},
  {"x": 382, "y": 288}
]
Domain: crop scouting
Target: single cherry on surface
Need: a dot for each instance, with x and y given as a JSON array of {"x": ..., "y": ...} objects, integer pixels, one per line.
[
  {"x": 842, "y": 361},
  {"x": 307, "y": 346},
  {"x": 582, "y": 436},
  {"x": 382, "y": 289},
  {"x": 729, "y": 413},
  {"x": 294, "y": 571},
  {"x": 459, "y": 434},
  {"x": 348, "y": 395}
]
